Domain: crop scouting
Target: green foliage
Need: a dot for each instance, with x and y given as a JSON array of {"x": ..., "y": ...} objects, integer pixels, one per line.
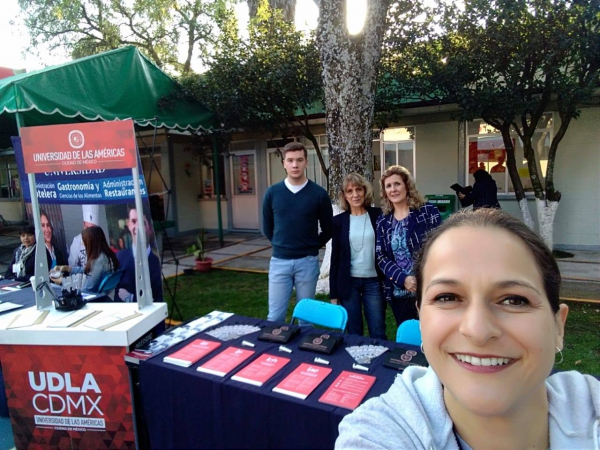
[
  {"x": 264, "y": 82},
  {"x": 199, "y": 248},
  {"x": 505, "y": 61},
  {"x": 157, "y": 27}
]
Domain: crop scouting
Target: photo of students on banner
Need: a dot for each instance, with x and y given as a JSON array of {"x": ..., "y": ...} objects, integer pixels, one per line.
[
  {"x": 73, "y": 201},
  {"x": 53, "y": 238}
]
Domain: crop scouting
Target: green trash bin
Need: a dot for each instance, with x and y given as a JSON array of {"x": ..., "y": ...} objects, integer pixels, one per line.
[{"x": 445, "y": 204}]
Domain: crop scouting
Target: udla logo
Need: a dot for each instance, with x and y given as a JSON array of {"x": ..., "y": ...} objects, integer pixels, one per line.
[{"x": 76, "y": 139}]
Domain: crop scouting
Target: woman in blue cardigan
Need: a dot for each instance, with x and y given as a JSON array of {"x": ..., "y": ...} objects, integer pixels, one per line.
[
  {"x": 354, "y": 280},
  {"x": 405, "y": 222}
]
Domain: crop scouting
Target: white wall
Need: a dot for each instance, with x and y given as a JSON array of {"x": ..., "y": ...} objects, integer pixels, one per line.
[
  {"x": 436, "y": 157},
  {"x": 208, "y": 214},
  {"x": 577, "y": 177},
  {"x": 11, "y": 210}
]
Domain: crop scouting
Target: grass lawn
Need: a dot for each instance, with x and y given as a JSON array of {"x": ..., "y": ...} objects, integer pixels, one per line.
[{"x": 246, "y": 294}]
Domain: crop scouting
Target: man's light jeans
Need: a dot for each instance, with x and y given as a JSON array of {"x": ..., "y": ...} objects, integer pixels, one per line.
[{"x": 285, "y": 274}]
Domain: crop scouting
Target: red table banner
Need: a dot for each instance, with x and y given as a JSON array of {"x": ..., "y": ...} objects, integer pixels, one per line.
[
  {"x": 68, "y": 397},
  {"x": 79, "y": 146}
]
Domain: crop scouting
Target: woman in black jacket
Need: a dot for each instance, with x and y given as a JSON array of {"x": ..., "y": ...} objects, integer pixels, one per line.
[
  {"x": 354, "y": 279},
  {"x": 484, "y": 193}
]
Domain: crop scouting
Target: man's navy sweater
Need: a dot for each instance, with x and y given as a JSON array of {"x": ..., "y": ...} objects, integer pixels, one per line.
[{"x": 290, "y": 221}]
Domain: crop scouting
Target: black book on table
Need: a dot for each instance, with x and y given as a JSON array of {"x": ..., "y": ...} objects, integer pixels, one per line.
[
  {"x": 279, "y": 333},
  {"x": 400, "y": 358},
  {"x": 320, "y": 342}
]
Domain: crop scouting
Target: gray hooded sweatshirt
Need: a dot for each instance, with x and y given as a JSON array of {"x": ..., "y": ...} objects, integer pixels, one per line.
[{"x": 412, "y": 415}]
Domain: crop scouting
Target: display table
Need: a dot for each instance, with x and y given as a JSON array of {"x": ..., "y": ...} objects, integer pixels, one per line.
[
  {"x": 26, "y": 297},
  {"x": 185, "y": 408},
  {"x": 69, "y": 387}
]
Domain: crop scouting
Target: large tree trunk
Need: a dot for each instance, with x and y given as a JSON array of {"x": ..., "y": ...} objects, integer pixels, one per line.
[
  {"x": 349, "y": 80},
  {"x": 349, "y": 75},
  {"x": 323, "y": 281}
]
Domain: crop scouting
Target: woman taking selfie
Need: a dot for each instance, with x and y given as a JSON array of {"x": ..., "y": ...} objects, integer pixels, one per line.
[
  {"x": 492, "y": 325},
  {"x": 405, "y": 222},
  {"x": 353, "y": 278}
]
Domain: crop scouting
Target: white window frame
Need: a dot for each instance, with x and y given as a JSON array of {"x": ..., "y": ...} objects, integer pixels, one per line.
[
  {"x": 505, "y": 193},
  {"x": 382, "y": 143}
]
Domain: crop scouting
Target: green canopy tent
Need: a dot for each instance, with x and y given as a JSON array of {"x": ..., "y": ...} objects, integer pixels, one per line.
[{"x": 115, "y": 85}]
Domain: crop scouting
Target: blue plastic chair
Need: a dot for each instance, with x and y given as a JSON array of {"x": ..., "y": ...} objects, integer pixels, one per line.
[
  {"x": 110, "y": 282},
  {"x": 409, "y": 332},
  {"x": 321, "y": 313}
]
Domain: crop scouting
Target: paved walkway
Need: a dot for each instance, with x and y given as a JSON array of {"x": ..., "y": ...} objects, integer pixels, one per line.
[
  {"x": 243, "y": 252},
  {"x": 251, "y": 253}
]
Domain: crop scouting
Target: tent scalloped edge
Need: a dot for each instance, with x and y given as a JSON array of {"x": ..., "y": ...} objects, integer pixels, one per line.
[{"x": 142, "y": 122}]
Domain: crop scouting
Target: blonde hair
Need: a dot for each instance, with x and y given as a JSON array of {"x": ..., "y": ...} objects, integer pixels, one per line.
[
  {"x": 414, "y": 199},
  {"x": 356, "y": 180}
]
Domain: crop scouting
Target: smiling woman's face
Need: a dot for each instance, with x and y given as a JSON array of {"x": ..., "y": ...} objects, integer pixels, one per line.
[{"x": 488, "y": 329}]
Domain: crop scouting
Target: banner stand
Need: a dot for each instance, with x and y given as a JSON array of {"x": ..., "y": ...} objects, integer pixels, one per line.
[
  {"x": 68, "y": 386},
  {"x": 142, "y": 272}
]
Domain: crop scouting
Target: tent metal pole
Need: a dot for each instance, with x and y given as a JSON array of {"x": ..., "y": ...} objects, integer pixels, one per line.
[
  {"x": 42, "y": 300},
  {"x": 217, "y": 188},
  {"x": 35, "y": 207}
]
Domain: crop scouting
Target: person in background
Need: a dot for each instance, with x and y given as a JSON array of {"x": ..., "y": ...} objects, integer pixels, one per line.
[
  {"x": 484, "y": 193},
  {"x": 91, "y": 217},
  {"x": 293, "y": 210},
  {"x": 401, "y": 230},
  {"x": 22, "y": 265},
  {"x": 101, "y": 260},
  {"x": 354, "y": 280},
  {"x": 126, "y": 288},
  {"x": 492, "y": 325},
  {"x": 58, "y": 257}
]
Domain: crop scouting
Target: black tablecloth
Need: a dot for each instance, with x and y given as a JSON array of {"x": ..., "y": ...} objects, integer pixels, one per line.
[
  {"x": 24, "y": 297},
  {"x": 185, "y": 408}
]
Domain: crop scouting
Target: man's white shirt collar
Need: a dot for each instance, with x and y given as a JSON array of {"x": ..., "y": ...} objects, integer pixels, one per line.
[{"x": 293, "y": 187}]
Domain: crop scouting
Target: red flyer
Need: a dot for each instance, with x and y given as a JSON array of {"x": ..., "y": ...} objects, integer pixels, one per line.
[
  {"x": 302, "y": 381},
  {"x": 191, "y": 353},
  {"x": 261, "y": 369},
  {"x": 225, "y": 361},
  {"x": 348, "y": 390}
]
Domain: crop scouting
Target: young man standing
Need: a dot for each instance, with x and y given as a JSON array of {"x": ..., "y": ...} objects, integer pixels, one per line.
[{"x": 293, "y": 209}]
